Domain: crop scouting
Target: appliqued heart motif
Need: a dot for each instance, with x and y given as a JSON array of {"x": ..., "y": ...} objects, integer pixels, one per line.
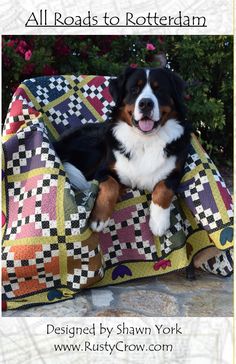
[
  {"x": 54, "y": 294},
  {"x": 226, "y": 235},
  {"x": 121, "y": 271},
  {"x": 162, "y": 264}
]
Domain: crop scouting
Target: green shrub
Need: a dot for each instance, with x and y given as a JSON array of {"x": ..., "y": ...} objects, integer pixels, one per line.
[{"x": 205, "y": 62}]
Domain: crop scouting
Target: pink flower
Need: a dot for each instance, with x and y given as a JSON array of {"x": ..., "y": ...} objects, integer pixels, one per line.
[
  {"x": 11, "y": 43},
  {"x": 187, "y": 97},
  {"x": 21, "y": 48},
  {"x": 133, "y": 65},
  {"x": 6, "y": 61},
  {"x": 28, "y": 55},
  {"x": 61, "y": 48},
  {"x": 49, "y": 70},
  {"x": 160, "y": 39},
  {"x": 150, "y": 47}
]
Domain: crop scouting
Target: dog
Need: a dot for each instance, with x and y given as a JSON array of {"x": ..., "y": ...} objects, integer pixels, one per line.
[{"x": 143, "y": 144}]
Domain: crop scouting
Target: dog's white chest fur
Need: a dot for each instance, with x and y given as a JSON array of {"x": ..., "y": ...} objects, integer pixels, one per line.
[{"x": 148, "y": 163}]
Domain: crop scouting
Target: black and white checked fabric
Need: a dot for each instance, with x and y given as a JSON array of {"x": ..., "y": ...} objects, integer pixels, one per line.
[
  {"x": 77, "y": 221},
  {"x": 143, "y": 247},
  {"x": 204, "y": 216},
  {"x": 41, "y": 220},
  {"x": 192, "y": 161},
  {"x": 42, "y": 95},
  {"x": 60, "y": 84},
  {"x": 81, "y": 275},
  {"x": 221, "y": 265},
  {"x": 23, "y": 156},
  {"x": 41, "y": 258}
]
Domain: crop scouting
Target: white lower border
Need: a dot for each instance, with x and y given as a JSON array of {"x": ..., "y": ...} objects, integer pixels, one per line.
[{"x": 117, "y": 340}]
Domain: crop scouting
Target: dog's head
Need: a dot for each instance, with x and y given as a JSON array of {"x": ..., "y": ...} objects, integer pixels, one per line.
[{"x": 147, "y": 98}]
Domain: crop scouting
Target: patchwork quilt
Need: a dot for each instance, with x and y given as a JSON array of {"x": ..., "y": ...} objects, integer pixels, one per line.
[{"x": 49, "y": 252}]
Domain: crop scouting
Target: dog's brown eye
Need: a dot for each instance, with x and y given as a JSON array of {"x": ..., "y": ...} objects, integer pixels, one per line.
[
  {"x": 155, "y": 86},
  {"x": 135, "y": 90}
]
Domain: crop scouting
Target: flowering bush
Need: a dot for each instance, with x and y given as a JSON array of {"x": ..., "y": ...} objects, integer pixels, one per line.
[{"x": 205, "y": 62}]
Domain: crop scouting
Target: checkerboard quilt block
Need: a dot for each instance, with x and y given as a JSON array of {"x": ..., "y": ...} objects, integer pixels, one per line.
[{"x": 49, "y": 252}]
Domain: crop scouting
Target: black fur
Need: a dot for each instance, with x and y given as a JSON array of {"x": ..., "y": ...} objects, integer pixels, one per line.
[
  {"x": 87, "y": 148},
  {"x": 91, "y": 147},
  {"x": 117, "y": 86}
]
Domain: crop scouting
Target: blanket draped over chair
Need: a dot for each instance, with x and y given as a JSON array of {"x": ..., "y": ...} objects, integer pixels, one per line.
[{"x": 49, "y": 252}]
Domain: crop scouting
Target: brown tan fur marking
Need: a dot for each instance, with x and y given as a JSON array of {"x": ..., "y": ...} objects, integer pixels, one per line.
[
  {"x": 155, "y": 85},
  {"x": 167, "y": 113},
  {"x": 126, "y": 113},
  {"x": 162, "y": 195},
  {"x": 108, "y": 194}
]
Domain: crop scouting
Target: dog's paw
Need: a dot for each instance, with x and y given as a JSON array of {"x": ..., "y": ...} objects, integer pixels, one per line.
[
  {"x": 159, "y": 219},
  {"x": 98, "y": 225}
]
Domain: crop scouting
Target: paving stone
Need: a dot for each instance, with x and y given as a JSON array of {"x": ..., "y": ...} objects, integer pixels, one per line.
[
  {"x": 149, "y": 303},
  {"x": 115, "y": 313},
  {"x": 168, "y": 295},
  {"x": 176, "y": 283},
  {"x": 101, "y": 297},
  {"x": 79, "y": 306},
  {"x": 214, "y": 303}
]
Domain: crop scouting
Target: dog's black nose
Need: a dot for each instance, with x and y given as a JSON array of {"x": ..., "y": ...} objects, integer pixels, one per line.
[{"x": 146, "y": 104}]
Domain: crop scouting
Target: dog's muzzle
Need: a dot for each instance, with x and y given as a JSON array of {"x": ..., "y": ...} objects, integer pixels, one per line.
[
  {"x": 146, "y": 105},
  {"x": 145, "y": 124}
]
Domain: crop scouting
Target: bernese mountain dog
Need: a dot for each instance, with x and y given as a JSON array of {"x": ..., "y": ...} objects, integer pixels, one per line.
[{"x": 143, "y": 144}]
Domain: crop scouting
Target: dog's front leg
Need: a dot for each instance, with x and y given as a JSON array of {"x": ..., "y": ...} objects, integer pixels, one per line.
[
  {"x": 108, "y": 194},
  {"x": 162, "y": 196}
]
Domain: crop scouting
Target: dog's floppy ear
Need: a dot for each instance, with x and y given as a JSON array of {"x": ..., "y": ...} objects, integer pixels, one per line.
[
  {"x": 117, "y": 85},
  {"x": 178, "y": 87}
]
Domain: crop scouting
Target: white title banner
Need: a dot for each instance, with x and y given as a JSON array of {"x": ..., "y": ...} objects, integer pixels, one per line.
[{"x": 117, "y": 17}]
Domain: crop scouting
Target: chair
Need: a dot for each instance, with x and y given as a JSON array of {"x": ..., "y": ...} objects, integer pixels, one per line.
[{"x": 49, "y": 252}]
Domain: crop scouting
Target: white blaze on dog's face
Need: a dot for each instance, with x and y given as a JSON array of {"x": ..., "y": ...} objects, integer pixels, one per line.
[
  {"x": 148, "y": 98},
  {"x": 146, "y": 107}
]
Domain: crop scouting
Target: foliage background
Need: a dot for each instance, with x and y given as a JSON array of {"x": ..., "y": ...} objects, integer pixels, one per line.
[{"x": 205, "y": 63}]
